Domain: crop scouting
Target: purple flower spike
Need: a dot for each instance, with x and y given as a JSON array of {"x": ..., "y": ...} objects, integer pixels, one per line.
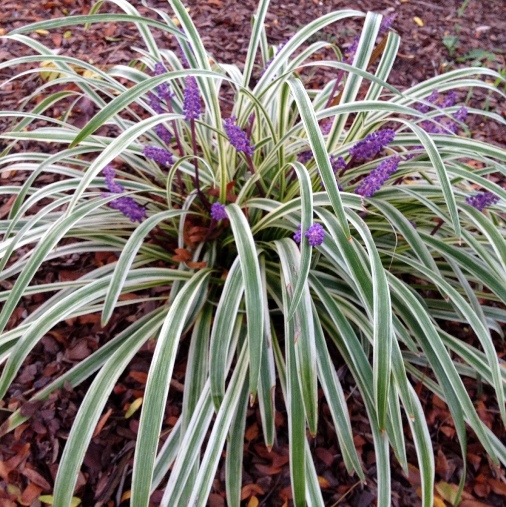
[
  {"x": 305, "y": 156},
  {"x": 337, "y": 163},
  {"x": 461, "y": 114},
  {"x": 238, "y": 138},
  {"x": 163, "y": 134},
  {"x": 113, "y": 186},
  {"x": 482, "y": 200},
  {"x": 386, "y": 23},
  {"x": 125, "y": 205},
  {"x": 372, "y": 145},
  {"x": 297, "y": 237},
  {"x": 191, "y": 105},
  {"x": 129, "y": 208},
  {"x": 315, "y": 235},
  {"x": 159, "y": 155},
  {"x": 155, "y": 103},
  {"x": 218, "y": 211},
  {"x": 423, "y": 108},
  {"x": 372, "y": 183}
]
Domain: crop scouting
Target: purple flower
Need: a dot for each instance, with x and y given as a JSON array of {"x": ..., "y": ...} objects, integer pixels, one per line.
[
  {"x": 337, "y": 163},
  {"x": 159, "y": 155},
  {"x": 431, "y": 99},
  {"x": 238, "y": 138},
  {"x": 155, "y": 103},
  {"x": 372, "y": 145},
  {"x": 315, "y": 234},
  {"x": 113, "y": 186},
  {"x": 305, "y": 156},
  {"x": 191, "y": 105},
  {"x": 377, "y": 177},
  {"x": 125, "y": 205},
  {"x": 129, "y": 208},
  {"x": 163, "y": 90},
  {"x": 218, "y": 211},
  {"x": 386, "y": 23},
  {"x": 163, "y": 134},
  {"x": 326, "y": 127},
  {"x": 350, "y": 52},
  {"x": 298, "y": 234},
  {"x": 482, "y": 199},
  {"x": 461, "y": 114}
]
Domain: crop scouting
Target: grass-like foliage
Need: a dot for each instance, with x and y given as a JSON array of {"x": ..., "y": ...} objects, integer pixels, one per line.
[{"x": 303, "y": 229}]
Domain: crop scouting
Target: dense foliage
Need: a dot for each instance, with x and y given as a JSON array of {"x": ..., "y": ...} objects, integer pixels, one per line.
[{"x": 307, "y": 225}]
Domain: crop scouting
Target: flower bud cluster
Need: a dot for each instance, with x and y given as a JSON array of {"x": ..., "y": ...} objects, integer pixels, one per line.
[
  {"x": 482, "y": 200},
  {"x": 124, "y": 204}
]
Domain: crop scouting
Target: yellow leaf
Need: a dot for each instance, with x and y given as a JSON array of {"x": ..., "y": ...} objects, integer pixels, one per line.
[
  {"x": 418, "y": 21},
  {"x": 324, "y": 483},
  {"x": 253, "y": 502},
  {"x": 50, "y": 74},
  {"x": 42, "y": 32},
  {"x": 49, "y": 499},
  {"x": 438, "y": 502},
  {"x": 447, "y": 491},
  {"x": 67, "y": 34},
  {"x": 133, "y": 408}
]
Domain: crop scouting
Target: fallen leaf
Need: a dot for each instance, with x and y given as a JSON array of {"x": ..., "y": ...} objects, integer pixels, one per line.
[
  {"x": 253, "y": 502},
  {"x": 102, "y": 422},
  {"x": 418, "y": 21},
  {"x": 251, "y": 489},
  {"x": 134, "y": 406}
]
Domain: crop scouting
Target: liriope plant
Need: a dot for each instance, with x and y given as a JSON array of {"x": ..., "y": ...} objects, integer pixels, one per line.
[{"x": 303, "y": 225}]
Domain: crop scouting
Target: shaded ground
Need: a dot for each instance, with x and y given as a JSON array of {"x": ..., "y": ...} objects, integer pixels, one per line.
[{"x": 436, "y": 37}]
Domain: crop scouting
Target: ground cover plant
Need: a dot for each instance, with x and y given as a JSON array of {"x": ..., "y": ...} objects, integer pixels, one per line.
[{"x": 354, "y": 219}]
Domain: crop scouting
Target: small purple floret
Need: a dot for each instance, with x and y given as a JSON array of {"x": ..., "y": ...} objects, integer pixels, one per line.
[
  {"x": 218, "y": 211},
  {"x": 125, "y": 205},
  {"x": 163, "y": 134},
  {"x": 129, "y": 208},
  {"x": 315, "y": 235},
  {"x": 482, "y": 200},
  {"x": 238, "y": 138},
  {"x": 159, "y": 155},
  {"x": 374, "y": 181},
  {"x": 297, "y": 237},
  {"x": 155, "y": 103},
  {"x": 191, "y": 105},
  {"x": 337, "y": 163},
  {"x": 372, "y": 145}
]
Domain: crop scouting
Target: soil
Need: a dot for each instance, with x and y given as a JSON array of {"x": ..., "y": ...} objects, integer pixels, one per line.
[{"x": 436, "y": 37}]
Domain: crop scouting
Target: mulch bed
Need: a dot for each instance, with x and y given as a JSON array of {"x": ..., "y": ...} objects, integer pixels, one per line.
[{"x": 29, "y": 456}]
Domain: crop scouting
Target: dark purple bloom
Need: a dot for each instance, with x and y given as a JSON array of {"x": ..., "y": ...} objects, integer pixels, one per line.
[
  {"x": 449, "y": 100},
  {"x": 238, "y": 138},
  {"x": 218, "y": 211},
  {"x": 386, "y": 23},
  {"x": 482, "y": 200},
  {"x": 372, "y": 145},
  {"x": 191, "y": 105},
  {"x": 305, "y": 156},
  {"x": 297, "y": 237},
  {"x": 337, "y": 163},
  {"x": 326, "y": 127},
  {"x": 113, "y": 186},
  {"x": 424, "y": 108},
  {"x": 163, "y": 90},
  {"x": 315, "y": 235},
  {"x": 163, "y": 134},
  {"x": 125, "y": 205},
  {"x": 350, "y": 52},
  {"x": 461, "y": 114},
  {"x": 155, "y": 103},
  {"x": 159, "y": 155},
  {"x": 377, "y": 177},
  {"x": 129, "y": 208}
]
